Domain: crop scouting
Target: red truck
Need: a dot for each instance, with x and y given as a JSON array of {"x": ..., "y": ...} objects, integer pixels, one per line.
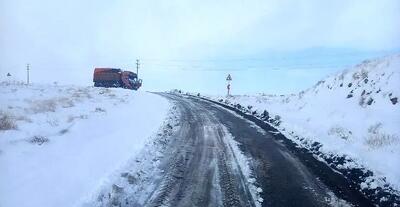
[{"x": 117, "y": 78}]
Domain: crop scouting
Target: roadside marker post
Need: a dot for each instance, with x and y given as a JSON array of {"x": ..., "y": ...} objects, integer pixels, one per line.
[
  {"x": 27, "y": 73},
  {"x": 137, "y": 68}
]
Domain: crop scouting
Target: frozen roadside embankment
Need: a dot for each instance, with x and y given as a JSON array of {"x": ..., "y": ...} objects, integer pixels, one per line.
[
  {"x": 59, "y": 144},
  {"x": 350, "y": 120}
]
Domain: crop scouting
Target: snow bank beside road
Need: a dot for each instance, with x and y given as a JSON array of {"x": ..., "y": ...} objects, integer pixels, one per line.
[
  {"x": 58, "y": 144},
  {"x": 355, "y": 114}
]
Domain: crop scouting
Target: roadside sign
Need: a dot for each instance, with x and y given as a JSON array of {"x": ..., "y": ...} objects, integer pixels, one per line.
[
  {"x": 228, "y": 87},
  {"x": 229, "y": 78}
]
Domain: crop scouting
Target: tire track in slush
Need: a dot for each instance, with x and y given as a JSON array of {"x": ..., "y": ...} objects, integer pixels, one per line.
[{"x": 201, "y": 168}]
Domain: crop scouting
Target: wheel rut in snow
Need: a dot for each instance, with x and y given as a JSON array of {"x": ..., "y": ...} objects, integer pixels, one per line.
[{"x": 200, "y": 169}]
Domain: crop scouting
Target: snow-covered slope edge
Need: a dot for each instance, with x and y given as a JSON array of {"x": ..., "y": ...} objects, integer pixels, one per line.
[
  {"x": 60, "y": 144},
  {"x": 351, "y": 117},
  {"x": 134, "y": 183}
]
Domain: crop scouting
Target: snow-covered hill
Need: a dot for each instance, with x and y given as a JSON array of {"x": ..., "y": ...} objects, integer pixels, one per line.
[
  {"x": 60, "y": 144},
  {"x": 355, "y": 114}
]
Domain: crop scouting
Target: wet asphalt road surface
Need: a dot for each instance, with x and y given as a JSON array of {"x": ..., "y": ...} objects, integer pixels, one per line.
[{"x": 201, "y": 169}]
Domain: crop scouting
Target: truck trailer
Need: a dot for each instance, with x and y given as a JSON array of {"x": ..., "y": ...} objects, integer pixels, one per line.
[{"x": 116, "y": 78}]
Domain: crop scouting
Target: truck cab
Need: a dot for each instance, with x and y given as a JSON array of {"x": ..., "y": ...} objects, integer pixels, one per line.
[{"x": 131, "y": 80}]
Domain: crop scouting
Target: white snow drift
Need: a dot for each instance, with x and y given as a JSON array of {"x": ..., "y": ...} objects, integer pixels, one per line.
[
  {"x": 58, "y": 144},
  {"x": 355, "y": 113}
]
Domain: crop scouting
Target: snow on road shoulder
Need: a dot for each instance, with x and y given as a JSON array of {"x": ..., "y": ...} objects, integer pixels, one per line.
[
  {"x": 59, "y": 144},
  {"x": 134, "y": 183}
]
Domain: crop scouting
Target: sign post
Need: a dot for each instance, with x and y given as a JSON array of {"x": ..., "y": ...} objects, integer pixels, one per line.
[{"x": 228, "y": 87}]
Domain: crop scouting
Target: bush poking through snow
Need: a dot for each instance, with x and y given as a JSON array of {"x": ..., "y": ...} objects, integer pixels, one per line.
[
  {"x": 374, "y": 129},
  {"x": 362, "y": 101},
  {"x": 41, "y": 106},
  {"x": 66, "y": 102},
  {"x": 72, "y": 118},
  {"x": 340, "y": 132},
  {"x": 377, "y": 139},
  {"x": 100, "y": 110},
  {"x": 363, "y": 74},
  {"x": 53, "y": 122},
  {"x": 39, "y": 140},
  {"x": 7, "y": 121}
]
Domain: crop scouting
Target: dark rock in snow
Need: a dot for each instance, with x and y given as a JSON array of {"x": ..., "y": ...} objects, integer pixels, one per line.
[
  {"x": 370, "y": 101},
  {"x": 394, "y": 100},
  {"x": 238, "y": 106},
  {"x": 350, "y": 84},
  {"x": 265, "y": 115},
  {"x": 349, "y": 95}
]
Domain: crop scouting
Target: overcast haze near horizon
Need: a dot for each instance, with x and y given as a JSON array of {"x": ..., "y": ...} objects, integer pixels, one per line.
[{"x": 272, "y": 46}]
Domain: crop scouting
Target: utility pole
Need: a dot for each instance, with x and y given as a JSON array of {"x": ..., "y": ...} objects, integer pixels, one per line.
[
  {"x": 137, "y": 67},
  {"x": 27, "y": 74}
]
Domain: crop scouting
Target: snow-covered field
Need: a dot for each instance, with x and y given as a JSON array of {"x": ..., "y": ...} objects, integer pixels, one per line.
[
  {"x": 355, "y": 114},
  {"x": 60, "y": 144}
]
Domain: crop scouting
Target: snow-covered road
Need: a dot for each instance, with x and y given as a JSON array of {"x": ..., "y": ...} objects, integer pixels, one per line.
[
  {"x": 225, "y": 160},
  {"x": 204, "y": 166},
  {"x": 215, "y": 157}
]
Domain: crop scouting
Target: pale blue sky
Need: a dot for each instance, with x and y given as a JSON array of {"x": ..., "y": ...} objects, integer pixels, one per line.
[{"x": 274, "y": 46}]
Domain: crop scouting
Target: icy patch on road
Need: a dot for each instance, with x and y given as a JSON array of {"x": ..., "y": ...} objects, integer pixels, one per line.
[{"x": 244, "y": 165}]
